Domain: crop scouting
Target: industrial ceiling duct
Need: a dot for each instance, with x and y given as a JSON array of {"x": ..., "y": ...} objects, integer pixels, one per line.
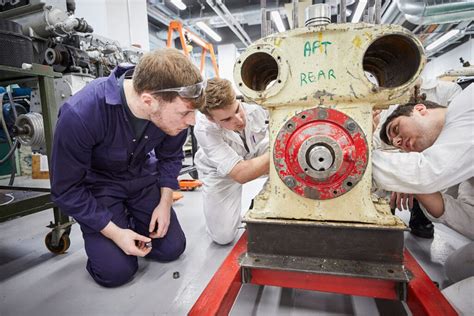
[
  {"x": 230, "y": 21},
  {"x": 434, "y": 12}
]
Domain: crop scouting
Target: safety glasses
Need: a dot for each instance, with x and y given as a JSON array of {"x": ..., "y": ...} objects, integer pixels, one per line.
[{"x": 188, "y": 92}]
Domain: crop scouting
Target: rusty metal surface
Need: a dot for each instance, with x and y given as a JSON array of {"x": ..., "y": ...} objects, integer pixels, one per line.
[{"x": 340, "y": 159}]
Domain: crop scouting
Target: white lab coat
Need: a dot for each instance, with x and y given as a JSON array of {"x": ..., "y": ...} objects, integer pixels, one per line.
[
  {"x": 220, "y": 150},
  {"x": 439, "y": 91},
  {"x": 448, "y": 162}
]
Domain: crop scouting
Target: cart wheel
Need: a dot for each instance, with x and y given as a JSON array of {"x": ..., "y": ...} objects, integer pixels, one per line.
[{"x": 64, "y": 243}]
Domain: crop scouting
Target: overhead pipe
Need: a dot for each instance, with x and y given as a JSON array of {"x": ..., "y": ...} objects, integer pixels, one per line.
[
  {"x": 342, "y": 11},
  {"x": 229, "y": 24},
  {"x": 431, "y": 12},
  {"x": 378, "y": 11},
  {"x": 391, "y": 13},
  {"x": 295, "y": 14},
  {"x": 263, "y": 13},
  {"x": 223, "y": 7}
]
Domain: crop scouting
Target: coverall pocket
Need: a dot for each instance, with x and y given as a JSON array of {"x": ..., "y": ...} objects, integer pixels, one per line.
[
  {"x": 118, "y": 157},
  {"x": 112, "y": 158}
]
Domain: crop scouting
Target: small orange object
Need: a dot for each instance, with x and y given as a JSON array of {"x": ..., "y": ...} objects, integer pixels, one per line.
[
  {"x": 177, "y": 196},
  {"x": 189, "y": 184}
]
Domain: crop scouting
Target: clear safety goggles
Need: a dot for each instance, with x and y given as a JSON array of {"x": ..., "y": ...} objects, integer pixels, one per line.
[{"x": 188, "y": 92}]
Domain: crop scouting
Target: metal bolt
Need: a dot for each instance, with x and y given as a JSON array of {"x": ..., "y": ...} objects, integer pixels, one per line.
[
  {"x": 322, "y": 114},
  {"x": 351, "y": 126},
  {"x": 176, "y": 275},
  {"x": 290, "y": 182}
]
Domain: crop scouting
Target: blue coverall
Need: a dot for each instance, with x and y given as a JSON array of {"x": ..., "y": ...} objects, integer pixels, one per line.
[{"x": 101, "y": 173}]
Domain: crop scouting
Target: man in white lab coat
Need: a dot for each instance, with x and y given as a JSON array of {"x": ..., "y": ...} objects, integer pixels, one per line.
[
  {"x": 441, "y": 92},
  {"x": 233, "y": 140},
  {"x": 439, "y": 151}
]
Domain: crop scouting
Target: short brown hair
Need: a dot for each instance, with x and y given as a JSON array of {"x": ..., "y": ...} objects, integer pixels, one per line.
[
  {"x": 219, "y": 94},
  {"x": 163, "y": 69},
  {"x": 403, "y": 110}
]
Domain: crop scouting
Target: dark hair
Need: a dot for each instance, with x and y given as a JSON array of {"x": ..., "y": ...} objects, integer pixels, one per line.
[{"x": 403, "y": 110}]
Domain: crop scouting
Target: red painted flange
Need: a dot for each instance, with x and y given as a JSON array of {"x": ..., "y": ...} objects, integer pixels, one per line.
[{"x": 320, "y": 153}]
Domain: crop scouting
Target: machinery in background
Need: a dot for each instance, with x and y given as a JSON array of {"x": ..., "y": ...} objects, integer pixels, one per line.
[
  {"x": 47, "y": 55},
  {"x": 51, "y": 35},
  {"x": 48, "y": 33},
  {"x": 463, "y": 76}
]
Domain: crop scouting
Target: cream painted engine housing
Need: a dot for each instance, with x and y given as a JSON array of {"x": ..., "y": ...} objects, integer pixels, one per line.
[{"x": 327, "y": 66}]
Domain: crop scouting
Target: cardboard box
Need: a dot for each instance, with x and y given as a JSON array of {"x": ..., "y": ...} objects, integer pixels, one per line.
[{"x": 39, "y": 167}]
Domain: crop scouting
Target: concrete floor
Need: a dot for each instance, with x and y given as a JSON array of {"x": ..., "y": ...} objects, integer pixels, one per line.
[{"x": 35, "y": 282}]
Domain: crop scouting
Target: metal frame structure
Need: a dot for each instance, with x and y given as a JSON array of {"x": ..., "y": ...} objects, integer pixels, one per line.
[
  {"x": 206, "y": 47},
  {"x": 31, "y": 200},
  {"x": 420, "y": 293}
]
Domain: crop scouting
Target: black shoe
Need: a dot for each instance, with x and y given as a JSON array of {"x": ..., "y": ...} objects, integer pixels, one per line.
[{"x": 419, "y": 224}]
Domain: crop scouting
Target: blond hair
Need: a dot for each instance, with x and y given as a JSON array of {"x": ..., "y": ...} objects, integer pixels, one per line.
[
  {"x": 163, "y": 69},
  {"x": 219, "y": 94}
]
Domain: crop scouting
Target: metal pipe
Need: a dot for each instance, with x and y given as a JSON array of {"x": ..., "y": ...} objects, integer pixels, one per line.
[
  {"x": 263, "y": 12},
  {"x": 295, "y": 14},
  {"x": 430, "y": 12},
  {"x": 390, "y": 13},
  {"x": 370, "y": 15},
  {"x": 378, "y": 11},
  {"x": 226, "y": 11},
  {"x": 342, "y": 11},
  {"x": 229, "y": 24}
]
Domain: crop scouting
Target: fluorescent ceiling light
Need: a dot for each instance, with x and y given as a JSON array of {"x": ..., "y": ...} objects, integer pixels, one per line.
[
  {"x": 179, "y": 4},
  {"x": 442, "y": 39},
  {"x": 359, "y": 10},
  {"x": 196, "y": 39},
  {"x": 278, "y": 21},
  {"x": 203, "y": 26}
]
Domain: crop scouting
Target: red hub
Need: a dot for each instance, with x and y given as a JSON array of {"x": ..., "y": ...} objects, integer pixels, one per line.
[{"x": 320, "y": 153}]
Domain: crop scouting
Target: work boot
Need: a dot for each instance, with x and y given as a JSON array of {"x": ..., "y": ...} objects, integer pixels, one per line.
[{"x": 419, "y": 224}]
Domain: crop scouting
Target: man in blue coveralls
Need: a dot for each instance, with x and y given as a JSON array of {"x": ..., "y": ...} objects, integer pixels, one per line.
[{"x": 117, "y": 153}]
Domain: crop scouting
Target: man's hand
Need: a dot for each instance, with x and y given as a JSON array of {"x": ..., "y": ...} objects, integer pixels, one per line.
[
  {"x": 375, "y": 119},
  {"x": 401, "y": 200},
  {"x": 160, "y": 219},
  {"x": 130, "y": 242}
]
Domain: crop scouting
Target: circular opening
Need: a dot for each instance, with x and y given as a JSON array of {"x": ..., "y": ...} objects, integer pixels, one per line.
[
  {"x": 258, "y": 71},
  {"x": 384, "y": 59},
  {"x": 321, "y": 159},
  {"x": 50, "y": 56},
  {"x": 349, "y": 184},
  {"x": 289, "y": 126},
  {"x": 334, "y": 192},
  {"x": 303, "y": 117}
]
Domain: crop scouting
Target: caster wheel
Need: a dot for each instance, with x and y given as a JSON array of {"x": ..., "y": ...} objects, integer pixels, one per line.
[{"x": 64, "y": 243}]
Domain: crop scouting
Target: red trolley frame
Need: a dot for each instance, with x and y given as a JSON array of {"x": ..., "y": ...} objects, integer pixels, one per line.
[{"x": 423, "y": 297}]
